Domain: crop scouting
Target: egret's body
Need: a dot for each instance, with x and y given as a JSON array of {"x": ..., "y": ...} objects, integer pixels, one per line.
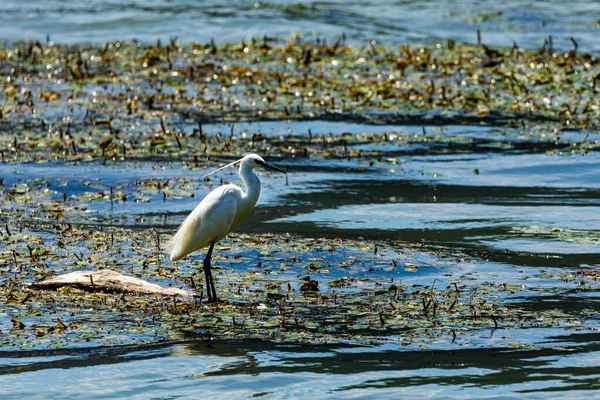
[{"x": 219, "y": 213}]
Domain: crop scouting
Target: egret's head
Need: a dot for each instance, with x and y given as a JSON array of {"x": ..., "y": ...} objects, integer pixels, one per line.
[
  {"x": 249, "y": 161},
  {"x": 254, "y": 161}
]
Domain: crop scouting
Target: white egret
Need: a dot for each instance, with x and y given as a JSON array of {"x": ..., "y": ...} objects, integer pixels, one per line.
[{"x": 220, "y": 212}]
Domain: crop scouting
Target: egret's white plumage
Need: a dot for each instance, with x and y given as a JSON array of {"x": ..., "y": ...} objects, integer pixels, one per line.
[{"x": 220, "y": 212}]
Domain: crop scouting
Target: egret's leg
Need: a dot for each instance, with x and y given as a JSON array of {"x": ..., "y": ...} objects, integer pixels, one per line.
[
  {"x": 208, "y": 275},
  {"x": 212, "y": 280},
  {"x": 210, "y": 283}
]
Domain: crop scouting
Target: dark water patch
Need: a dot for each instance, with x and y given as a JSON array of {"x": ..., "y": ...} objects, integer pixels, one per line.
[
  {"x": 468, "y": 240},
  {"x": 335, "y": 193},
  {"x": 569, "y": 301},
  {"x": 24, "y": 361}
]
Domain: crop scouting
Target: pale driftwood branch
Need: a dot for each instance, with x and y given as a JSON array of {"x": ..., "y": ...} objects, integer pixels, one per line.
[{"x": 108, "y": 281}]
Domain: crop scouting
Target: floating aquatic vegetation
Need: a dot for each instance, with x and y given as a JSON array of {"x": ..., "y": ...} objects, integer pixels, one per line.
[
  {"x": 125, "y": 100},
  {"x": 273, "y": 287},
  {"x": 134, "y": 102}
]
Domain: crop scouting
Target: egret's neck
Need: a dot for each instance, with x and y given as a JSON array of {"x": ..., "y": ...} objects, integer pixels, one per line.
[{"x": 252, "y": 184}]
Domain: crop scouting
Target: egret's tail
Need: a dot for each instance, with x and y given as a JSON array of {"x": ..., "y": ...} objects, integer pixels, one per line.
[
  {"x": 182, "y": 243},
  {"x": 174, "y": 255},
  {"x": 175, "y": 246}
]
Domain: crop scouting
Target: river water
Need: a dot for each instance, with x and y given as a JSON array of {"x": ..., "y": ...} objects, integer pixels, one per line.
[
  {"x": 525, "y": 211},
  {"x": 389, "y": 21},
  {"x": 516, "y": 204}
]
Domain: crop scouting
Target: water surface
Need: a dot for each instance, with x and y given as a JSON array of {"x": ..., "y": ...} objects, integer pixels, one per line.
[
  {"x": 522, "y": 208},
  {"x": 390, "y": 22}
]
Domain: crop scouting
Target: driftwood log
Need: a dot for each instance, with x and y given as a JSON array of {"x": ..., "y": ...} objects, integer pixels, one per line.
[{"x": 108, "y": 281}]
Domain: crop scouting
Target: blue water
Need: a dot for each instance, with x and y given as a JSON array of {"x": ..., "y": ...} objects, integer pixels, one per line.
[
  {"x": 516, "y": 202},
  {"x": 254, "y": 369},
  {"x": 388, "y": 21}
]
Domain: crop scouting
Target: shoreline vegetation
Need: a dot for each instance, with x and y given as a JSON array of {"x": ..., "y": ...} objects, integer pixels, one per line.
[{"x": 128, "y": 101}]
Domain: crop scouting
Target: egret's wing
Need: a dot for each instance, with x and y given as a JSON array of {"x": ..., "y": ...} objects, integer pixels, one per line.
[{"x": 210, "y": 221}]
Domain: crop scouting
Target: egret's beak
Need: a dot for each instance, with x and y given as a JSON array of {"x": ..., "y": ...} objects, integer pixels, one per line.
[{"x": 269, "y": 166}]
